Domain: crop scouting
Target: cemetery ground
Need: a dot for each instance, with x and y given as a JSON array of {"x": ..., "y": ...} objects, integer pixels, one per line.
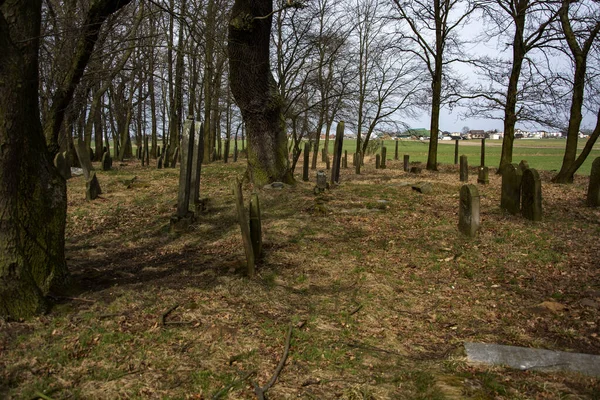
[{"x": 379, "y": 287}]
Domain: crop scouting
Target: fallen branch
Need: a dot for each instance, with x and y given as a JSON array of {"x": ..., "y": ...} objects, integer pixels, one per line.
[
  {"x": 166, "y": 314},
  {"x": 357, "y": 309},
  {"x": 233, "y": 384},
  {"x": 261, "y": 391}
]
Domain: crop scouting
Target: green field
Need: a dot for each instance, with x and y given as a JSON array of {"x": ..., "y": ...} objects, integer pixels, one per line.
[{"x": 542, "y": 154}]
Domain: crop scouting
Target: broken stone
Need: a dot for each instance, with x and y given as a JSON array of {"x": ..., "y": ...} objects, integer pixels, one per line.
[{"x": 422, "y": 187}]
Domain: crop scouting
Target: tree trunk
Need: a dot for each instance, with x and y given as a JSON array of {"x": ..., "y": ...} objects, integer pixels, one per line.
[
  {"x": 255, "y": 91},
  {"x": 33, "y": 196}
]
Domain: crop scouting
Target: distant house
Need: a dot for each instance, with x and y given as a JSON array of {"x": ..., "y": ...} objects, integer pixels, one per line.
[{"x": 477, "y": 134}]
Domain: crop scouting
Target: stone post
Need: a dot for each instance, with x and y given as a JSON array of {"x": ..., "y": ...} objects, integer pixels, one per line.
[
  {"x": 358, "y": 163},
  {"x": 383, "y": 157},
  {"x": 377, "y": 161},
  {"x": 593, "y": 194},
  {"x": 468, "y": 213},
  {"x": 464, "y": 169},
  {"x": 345, "y": 163},
  {"x": 531, "y": 195},
  {"x": 510, "y": 199},
  {"x": 484, "y": 176},
  {"x": 337, "y": 152},
  {"x": 396, "y": 152},
  {"x": 406, "y": 163},
  {"x": 456, "y": 152},
  {"x": 482, "y": 163},
  {"x": 305, "y": 166}
]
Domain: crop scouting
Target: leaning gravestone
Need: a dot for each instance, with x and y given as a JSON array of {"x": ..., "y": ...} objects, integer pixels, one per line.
[
  {"x": 593, "y": 194},
  {"x": 84, "y": 158},
  {"x": 464, "y": 169},
  {"x": 383, "y": 157},
  {"x": 483, "y": 176},
  {"x": 468, "y": 213},
  {"x": 106, "y": 161},
  {"x": 406, "y": 163},
  {"x": 531, "y": 194},
  {"x": 61, "y": 165},
  {"x": 92, "y": 187},
  {"x": 510, "y": 198}
]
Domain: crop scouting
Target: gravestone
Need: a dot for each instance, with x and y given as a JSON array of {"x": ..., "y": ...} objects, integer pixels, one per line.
[
  {"x": 456, "y": 152},
  {"x": 61, "y": 165},
  {"x": 396, "y": 152},
  {"x": 84, "y": 158},
  {"x": 175, "y": 157},
  {"x": 468, "y": 213},
  {"x": 483, "y": 176},
  {"x": 383, "y": 157},
  {"x": 593, "y": 194},
  {"x": 106, "y": 161},
  {"x": 166, "y": 156},
  {"x": 159, "y": 162},
  {"x": 510, "y": 198},
  {"x": 531, "y": 195},
  {"x": 68, "y": 174},
  {"x": 92, "y": 187},
  {"x": 184, "y": 218},
  {"x": 198, "y": 157},
  {"x": 482, "y": 163},
  {"x": 523, "y": 165},
  {"x": 255, "y": 227},
  {"x": 321, "y": 182},
  {"x": 345, "y": 163},
  {"x": 415, "y": 170},
  {"x": 377, "y": 161},
  {"x": 305, "y": 166},
  {"x": 406, "y": 162},
  {"x": 464, "y": 169},
  {"x": 337, "y": 152}
]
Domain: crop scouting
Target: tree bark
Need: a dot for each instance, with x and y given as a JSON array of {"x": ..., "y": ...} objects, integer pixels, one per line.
[
  {"x": 255, "y": 91},
  {"x": 33, "y": 200}
]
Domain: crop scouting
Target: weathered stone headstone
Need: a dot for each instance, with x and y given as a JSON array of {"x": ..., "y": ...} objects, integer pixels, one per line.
[
  {"x": 483, "y": 176},
  {"x": 106, "y": 161},
  {"x": 523, "y": 165},
  {"x": 406, "y": 162},
  {"x": 396, "y": 152},
  {"x": 68, "y": 174},
  {"x": 377, "y": 161},
  {"x": 255, "y": 227},
  {"x": 159, "y": 162},
  {"x": 383, "y": 157},
  {"x": 321, "y": 182},
  {"x": 92, "y": 187},
  {"x": 61, "y": 165},
  {"x": 455, "y": 152},
  {"x": 84, "y": 158},
  {"x": 468, "y": 213},
  {"x": 175, "y": 157},
  {"x": 464, "y": 169},
  {"x": 510, "y": 199},
  {"x": 305, "y": 166},
  {"x": 531, "y": 195},
  {"x": 197, "y": 204},
  {"x": 337, "y": 152},
  {"x": 482, "y": 162},
  {"x": 593, "y": 194}
]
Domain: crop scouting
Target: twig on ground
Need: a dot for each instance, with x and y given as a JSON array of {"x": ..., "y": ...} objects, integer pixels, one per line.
[
  {"x": 233, "y": 384},
  {"x": 166, "y": 314},
  {"x": 357, "y": 309},
  {"x": 261, "y": 391}
]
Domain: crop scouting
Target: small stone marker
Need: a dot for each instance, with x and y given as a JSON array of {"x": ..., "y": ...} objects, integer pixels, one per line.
[
  {"x": 377, "y": 161},
  {"x": 468, "y": 213},
  {"x": 523, "y": 165},
  {"x": 593, "y": 194},
  {"x": 464, "y": 169},
  {"x": 406, "y": 163},
  {"x": 255, "y": 227},
  {"x": 321, "y": 182},
  {"x": 106, "y": 161},
  {"x": 337, "y": 152},
  {"x": 61, "y": 165},
  {"x": 92, "y": 187},
  {"x": 306, "y": 162},
  {"x": 527, "y": 359},
  {"x": 396, "y": 152},
  {"x": 483, "y": 176},
  {"x": 456, "y": 152},
  {"x": 510, "y": 199},
  {"x": 531, "y": 202},
  {"x": 383, "y": 157}
]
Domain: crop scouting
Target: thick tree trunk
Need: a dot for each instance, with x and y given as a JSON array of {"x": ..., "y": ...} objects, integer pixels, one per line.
[
  {"x": 436, "y": 86},
  {"x": 33, "y": 199},
  {"x": 255, "y": 91}
]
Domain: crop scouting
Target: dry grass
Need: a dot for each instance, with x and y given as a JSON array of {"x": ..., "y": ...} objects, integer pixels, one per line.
[{"x": 387, "y": 287}]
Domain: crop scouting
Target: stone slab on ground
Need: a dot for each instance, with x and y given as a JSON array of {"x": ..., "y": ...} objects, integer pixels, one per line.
[{"x": 533, "y": 359}]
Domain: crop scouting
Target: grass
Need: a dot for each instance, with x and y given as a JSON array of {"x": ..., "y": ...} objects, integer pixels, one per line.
[{"x": 381, "y": 294}]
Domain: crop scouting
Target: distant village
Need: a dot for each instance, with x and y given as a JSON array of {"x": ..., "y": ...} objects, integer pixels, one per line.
[{"x": 424, "y": 134}]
